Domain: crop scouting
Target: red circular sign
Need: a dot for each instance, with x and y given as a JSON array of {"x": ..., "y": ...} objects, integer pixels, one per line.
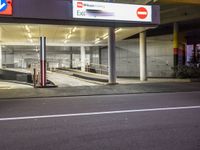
[{"x": 142, "y": 13}]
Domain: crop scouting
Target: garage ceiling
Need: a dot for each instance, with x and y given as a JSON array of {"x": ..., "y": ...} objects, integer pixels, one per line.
[{"x": 59, "y": 35}]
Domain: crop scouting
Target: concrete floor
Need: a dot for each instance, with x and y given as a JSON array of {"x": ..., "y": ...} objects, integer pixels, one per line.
[{"x": 63, "y": 80}]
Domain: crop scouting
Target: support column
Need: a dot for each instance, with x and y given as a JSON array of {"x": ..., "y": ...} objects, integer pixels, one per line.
[
  {"x": 143, "y": 57},
  {"x": 111, "y": 56},
  {"x": 100, "y": 58},
  {"x": 175, "y": 43},
  {"x": 0, "y": 56},
  {"x": 194, "y": 53},
  {"x": 83, "y": 58},
  {"x": 184, "y": 55},
  {"x": 43, "y": 60},
  {"x": 71, "y": 58},
  {"x": 1, "y": 49}
]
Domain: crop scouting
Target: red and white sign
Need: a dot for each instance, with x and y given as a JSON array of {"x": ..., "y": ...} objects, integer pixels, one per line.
[
  {"x": 142, "y": 13},
  {"x": 80, "y": 4},
  {"x": 111, "y": 11},
  {"x": 9, "y": 9}
]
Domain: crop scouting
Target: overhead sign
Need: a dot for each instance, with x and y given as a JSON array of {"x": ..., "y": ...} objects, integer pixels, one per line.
[
  {"x": 5, "y": 7},
  {"x": 111, "y": 11}
]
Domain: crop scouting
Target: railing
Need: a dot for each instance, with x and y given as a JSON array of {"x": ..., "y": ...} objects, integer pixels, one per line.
[{"x": 97, "y": 68}]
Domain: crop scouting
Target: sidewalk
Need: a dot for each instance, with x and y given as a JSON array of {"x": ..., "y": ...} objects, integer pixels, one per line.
[{"x": 101, "y": 90}]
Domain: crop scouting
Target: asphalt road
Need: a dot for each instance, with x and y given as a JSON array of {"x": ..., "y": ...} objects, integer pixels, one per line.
[{"x": 165, "y": 121}]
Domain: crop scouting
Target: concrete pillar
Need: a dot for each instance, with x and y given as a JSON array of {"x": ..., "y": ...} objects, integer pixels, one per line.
[
  {"x": 0, "y": 56},
  {"x": 111, "y": 56},
  {"x": 143, "y": 57},
  {"x": 175, "y": 43},
  {"x": 83, "y": 56}
]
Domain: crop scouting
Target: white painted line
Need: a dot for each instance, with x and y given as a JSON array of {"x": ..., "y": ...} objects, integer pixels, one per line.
[{"x": 99, "y": 113}]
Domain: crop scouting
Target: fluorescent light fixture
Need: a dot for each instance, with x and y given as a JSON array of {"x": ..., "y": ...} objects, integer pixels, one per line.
[
  {"x": 117, "y": 30},
  {"x": 69, "y": 36},
  {"x": 29, "y": 35},
  {"x": 96, "y": 42},
  {"x": 105, "y": 37},
  {"x": 74, "y": 29},
  {"x": 97, "y": 39},
  {"x": 27, "y": 28},
  {"x": 66, "y": 36}
]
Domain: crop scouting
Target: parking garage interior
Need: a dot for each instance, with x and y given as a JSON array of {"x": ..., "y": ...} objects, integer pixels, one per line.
[
  {"x": 83, "y": 50},
  {"x": 70, "y": 50}
]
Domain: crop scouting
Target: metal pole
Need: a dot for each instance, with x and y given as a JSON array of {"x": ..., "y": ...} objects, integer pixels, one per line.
[
  {"x": 143, "y": 57},
  {"x": 34, "y": 77},
  {"x": 43, "y": 60},
  {"x": 83, "y": 58},
  {"x": 71, "y": 58}
]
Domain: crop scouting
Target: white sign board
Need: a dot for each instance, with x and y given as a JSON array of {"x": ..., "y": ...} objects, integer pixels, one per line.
[{"x": 111, "y": 11}]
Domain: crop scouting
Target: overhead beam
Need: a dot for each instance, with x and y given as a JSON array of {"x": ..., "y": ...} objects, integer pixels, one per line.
[
  {"x": 51, "y": 44},
  {"x": 181, "y": 13}
]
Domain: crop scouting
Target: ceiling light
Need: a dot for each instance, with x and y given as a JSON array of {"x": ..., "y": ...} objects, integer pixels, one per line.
[
  {"x": 74, "y": 29},
  {"x": 66, "y": 36},
  {"x": 96, "y": 42},
  {"x": 29, "y": 35},
  {"x": 105, "y": 37},
  {"x": 97, "y": 39},
  {"x": 117, "y": 30},
  {"x": 27, "y": 28},
  {"x": 69, "y": 36}
]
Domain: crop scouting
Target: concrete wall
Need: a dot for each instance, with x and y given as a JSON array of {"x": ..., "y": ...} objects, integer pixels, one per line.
[
  {"x": 159, "y": 57},
  {"x": 55, "y": 59},
  {"x": 8, "y": 59}
]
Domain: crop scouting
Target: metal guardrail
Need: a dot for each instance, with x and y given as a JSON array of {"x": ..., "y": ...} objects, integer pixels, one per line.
[{"x": 99, "y": 68}]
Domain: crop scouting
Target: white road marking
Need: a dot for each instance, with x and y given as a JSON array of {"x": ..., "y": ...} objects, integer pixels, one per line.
[{"x": 99, "y": 113}]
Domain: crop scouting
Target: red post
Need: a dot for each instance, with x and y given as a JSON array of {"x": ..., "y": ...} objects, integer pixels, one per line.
[{"x": 43, "y": 61}]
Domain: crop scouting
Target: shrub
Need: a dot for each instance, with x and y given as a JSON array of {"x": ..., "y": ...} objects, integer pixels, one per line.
[{"x": 186, "y": 72}]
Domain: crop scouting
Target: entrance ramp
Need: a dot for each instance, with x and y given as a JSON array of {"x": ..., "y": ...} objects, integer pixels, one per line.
[
  {"x": 85, "y": 75},
  {"x": 62, "y": 79}
]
